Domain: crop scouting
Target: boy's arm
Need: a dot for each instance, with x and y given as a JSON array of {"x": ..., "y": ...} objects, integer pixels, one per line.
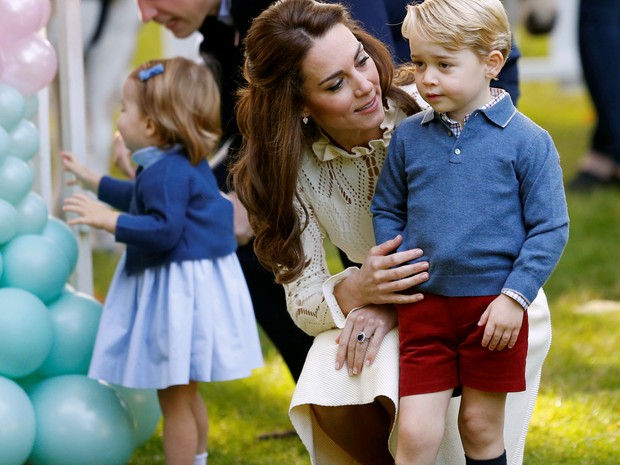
[
  {"x": 545, "y": 215},
  {"x": 389, "y": 203}
]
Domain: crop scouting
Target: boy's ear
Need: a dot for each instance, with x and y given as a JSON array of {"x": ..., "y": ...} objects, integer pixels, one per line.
[{"x": 494, "y": 63}]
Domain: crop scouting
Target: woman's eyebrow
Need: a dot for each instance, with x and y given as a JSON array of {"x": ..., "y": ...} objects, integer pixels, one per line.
[{"x": 339, "y": 72}]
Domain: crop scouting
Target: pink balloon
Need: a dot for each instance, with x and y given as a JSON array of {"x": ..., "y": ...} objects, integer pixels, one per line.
[
  {"x": 20, "y": 18},
  {"x": 46, "y": 13},
  {"x": 1, "y": 62},
  {"x": 30, "y": 64}
]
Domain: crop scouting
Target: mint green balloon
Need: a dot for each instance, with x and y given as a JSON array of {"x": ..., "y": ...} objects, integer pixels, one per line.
[
  {"x": 36, "y": 264},
  {"x": 31, "y": 214},
  {"x": 62, "y": 234},
  {"x": 75, "y": 319},
  {"x": 31, "y": 107},
  {"x": 79, "y": 422},
  {"x": 16, "y": 179},
  {"x": 25, "y": 140},
  {"x": 145, "y": 411},
  {"x": 8, "y": 221},
  {"x": 5, "y": 142},
  {"x": 18, "y": 426},
  {"x": 12, "y": 107},
  {"x": 25, "y": 333}
]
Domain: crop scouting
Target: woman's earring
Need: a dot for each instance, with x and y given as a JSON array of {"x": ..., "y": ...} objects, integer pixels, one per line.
[{"x": 305, "y": 119}]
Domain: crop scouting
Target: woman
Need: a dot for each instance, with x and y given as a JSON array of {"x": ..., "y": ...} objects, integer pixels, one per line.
[{"x": 317, "y": 116}]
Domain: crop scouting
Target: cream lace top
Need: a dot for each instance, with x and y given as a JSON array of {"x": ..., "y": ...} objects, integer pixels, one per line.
[{"x": 336, "y": 187}]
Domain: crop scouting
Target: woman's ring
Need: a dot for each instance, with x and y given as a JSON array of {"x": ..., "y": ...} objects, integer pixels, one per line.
[{"x": 361, "y": 337}]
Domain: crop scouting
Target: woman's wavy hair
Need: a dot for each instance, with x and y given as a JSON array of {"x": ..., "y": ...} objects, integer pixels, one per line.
[
  {"x": 269, "y": 111},
  {"x": 184, "y": 104}
]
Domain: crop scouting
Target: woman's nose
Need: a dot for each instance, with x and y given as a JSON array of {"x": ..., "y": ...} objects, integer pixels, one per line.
[{"x": 364, "y": 86}]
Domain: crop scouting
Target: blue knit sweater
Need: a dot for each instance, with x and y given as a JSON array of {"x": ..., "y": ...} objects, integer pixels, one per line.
[
  {"x": 175, "y": 211},
  {"x": 487, "y": 208}
]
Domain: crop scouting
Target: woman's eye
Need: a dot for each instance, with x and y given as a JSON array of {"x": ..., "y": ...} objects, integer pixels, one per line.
[
  {"x": 336, "y": 86},
  {"x": 363, "y": 60}
]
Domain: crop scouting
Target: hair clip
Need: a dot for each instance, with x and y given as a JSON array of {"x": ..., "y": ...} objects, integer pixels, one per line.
[{"x": 148, "y": 73}]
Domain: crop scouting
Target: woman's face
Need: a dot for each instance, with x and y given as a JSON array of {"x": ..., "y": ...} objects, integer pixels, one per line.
[{"x": 341, "y": 89}]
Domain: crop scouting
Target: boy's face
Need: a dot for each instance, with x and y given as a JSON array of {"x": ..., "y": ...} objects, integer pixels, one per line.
[{"x": 452, "y": 82}]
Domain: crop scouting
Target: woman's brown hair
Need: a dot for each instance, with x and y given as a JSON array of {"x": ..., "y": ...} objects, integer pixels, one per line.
[
  {"x": 269, "y": 118},
  {"x": 183, "y": 102}
]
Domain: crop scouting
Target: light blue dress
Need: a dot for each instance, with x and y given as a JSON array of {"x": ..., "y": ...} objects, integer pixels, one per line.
[{"x": 190, "y": 320}]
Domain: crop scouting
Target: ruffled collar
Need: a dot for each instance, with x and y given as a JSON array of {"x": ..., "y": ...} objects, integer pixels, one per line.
[{"x": 325, "y": 150}]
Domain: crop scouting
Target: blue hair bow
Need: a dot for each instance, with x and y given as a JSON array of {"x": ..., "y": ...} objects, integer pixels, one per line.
[{"x": 148, "y": 73}]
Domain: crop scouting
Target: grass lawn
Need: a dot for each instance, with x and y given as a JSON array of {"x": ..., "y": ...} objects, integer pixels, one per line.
[{"x": 577, "y": 418}]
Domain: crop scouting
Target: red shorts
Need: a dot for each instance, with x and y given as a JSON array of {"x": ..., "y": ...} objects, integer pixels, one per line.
[{"x": 440, "y": 348}]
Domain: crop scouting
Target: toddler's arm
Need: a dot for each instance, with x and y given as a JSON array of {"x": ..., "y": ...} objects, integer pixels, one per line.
[{"x": 86, "y": 177}]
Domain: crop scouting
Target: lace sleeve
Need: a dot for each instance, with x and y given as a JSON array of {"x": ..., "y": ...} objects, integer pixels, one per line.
[{"x": 304, "y": 296}]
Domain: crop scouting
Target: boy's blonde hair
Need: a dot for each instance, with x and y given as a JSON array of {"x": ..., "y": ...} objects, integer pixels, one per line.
[
  {"x": 479, "y": 25},
  {"x": 183, "y": 102}
]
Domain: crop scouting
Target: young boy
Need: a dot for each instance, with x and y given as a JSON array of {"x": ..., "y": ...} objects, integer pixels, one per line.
[{"x": 477, "y": 186}]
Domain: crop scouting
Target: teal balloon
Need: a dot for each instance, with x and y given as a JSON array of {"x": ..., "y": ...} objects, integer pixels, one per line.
[
  {"x": 79, "y": 422},
  {"x": 75, "y": 319},
  {"x": 12, "y": 107},
  {"x": 62, "y": 235},
  {"x": 31, "y": 106},
  {"x": 31, "y": 214},
  {"x": 16, "y": 179},
  {"x": 145, "y": 411},
  {"x": 5, "y": 142},
  {"x": 26, "y": 333},
  {"x": 25, "y": 140},
  {"x": 18, "y": 425},
  {"x": 8, "y": 221},
  {"x": 36, "y": 264}
]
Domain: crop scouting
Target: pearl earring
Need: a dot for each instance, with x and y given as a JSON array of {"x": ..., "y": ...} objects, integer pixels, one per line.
[{"x": 305, "y": 119}]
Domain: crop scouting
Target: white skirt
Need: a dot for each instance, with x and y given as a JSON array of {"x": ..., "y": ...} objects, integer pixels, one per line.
[
  {"x": 191, "y": 320},
  {"x": 321, "y": 384}
]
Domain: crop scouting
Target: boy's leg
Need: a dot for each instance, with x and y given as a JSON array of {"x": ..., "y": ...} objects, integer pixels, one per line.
[
  {"x": 421, "y": 425},
  {"x": 481, "y": 423}
]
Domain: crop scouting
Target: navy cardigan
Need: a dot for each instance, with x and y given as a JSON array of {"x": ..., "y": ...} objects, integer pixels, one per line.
[{"x": 174, "y": 212}]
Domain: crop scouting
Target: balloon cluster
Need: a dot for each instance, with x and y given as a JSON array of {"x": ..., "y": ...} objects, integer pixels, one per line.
[{"x": 51, "y": 413}]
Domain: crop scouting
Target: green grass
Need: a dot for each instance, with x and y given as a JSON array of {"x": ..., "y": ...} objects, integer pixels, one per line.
[{"x": 577, "y": 417}]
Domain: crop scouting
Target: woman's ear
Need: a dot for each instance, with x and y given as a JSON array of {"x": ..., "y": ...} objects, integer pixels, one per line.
[{"x": 494, "y": 64}]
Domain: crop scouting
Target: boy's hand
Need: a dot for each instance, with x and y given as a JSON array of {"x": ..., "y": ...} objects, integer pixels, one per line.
[
  {"x": 503, "y": 319},
  {"x": 90, "y": 212}
]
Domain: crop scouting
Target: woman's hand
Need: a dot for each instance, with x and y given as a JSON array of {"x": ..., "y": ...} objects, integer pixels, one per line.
[
  {"x": 374, "y": 321},
  {"x": 383, "y": 277}
]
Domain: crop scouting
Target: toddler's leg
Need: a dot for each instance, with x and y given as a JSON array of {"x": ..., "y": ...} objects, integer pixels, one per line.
[
  {"x": 421, "y": 425},
  {"x": 180, "y": 425},
  {"x": 481, "y": 424},
  {"x": 202, "y": 423}
]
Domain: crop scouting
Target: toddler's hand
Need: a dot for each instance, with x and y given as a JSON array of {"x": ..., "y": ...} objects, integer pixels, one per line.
[
  {"x": 85, "y": 177},
  {"x": 90, "y": 212}
]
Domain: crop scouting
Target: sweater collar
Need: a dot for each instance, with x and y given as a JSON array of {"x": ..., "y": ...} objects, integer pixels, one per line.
[
  {"x": 499, "y": 114},
  {"x": 147, "y": 156}
]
